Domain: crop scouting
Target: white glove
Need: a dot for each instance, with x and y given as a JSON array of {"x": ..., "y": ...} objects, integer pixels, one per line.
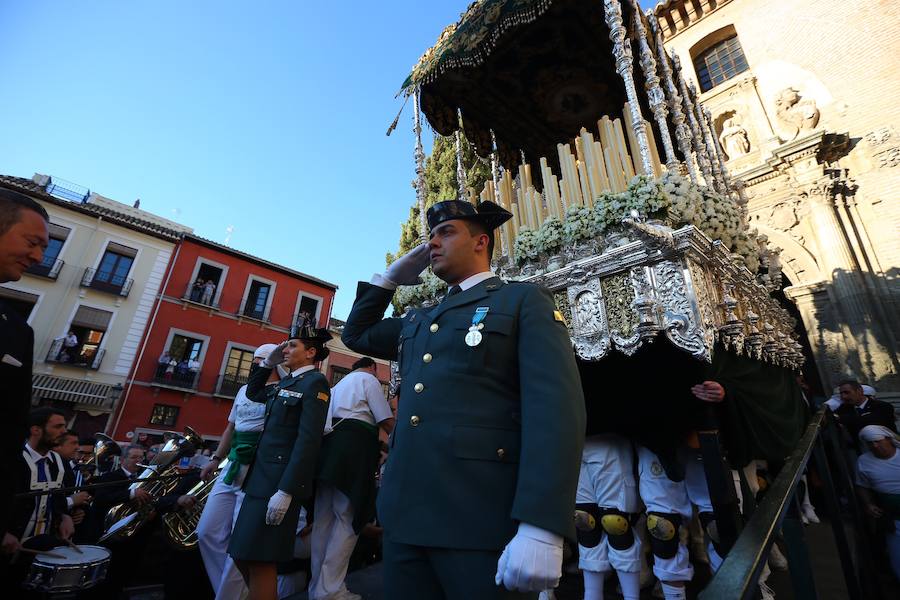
[
  {"x": 278, "y": 506},
  {"x": 276, "y": 357},
  {"x": 405, "y": 270},
  {"x": 531, "y": 561}
]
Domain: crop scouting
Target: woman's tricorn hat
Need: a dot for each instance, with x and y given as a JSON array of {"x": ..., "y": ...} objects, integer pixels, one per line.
[
  {"x": 487, "y": 213},
  {"x": 306, "y": 330}
]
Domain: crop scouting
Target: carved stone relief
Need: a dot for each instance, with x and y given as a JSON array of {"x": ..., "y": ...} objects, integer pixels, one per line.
[
  {"x": 795, "y": 113},
  {"x": 733, "y": 138}
]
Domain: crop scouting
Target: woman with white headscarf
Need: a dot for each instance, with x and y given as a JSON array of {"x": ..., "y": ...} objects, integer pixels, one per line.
[{"x": 878, "y": 482}]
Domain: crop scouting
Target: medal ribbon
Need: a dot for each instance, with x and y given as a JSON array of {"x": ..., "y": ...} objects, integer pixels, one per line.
[{"x": 480, "y": 313}]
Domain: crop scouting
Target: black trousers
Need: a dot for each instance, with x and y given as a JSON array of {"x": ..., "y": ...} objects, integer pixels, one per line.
[{"x": 423, "y": 573}]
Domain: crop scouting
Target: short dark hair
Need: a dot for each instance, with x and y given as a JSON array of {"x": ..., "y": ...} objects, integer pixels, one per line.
[
  {"x": 477, "y": 228},
  {"x": 70, "y": 433},
  {"x": 364, "y": 363},
  {"x": 39, "y": 416},
  {"x": 852, "y": 383},
  {"x": 11, "y": 206}
]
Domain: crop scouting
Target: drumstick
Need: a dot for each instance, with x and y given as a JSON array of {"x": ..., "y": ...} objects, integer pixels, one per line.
[
  {"x": 44, "y": 552},
  {"x": 74, "y": 545}
]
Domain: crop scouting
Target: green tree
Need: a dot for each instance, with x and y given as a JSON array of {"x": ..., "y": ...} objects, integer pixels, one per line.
[{"x": 440, "y": 184}]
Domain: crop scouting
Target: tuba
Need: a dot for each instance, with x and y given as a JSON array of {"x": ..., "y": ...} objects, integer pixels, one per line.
[
  {"x": 104, "y": 447},
  {"x": 124, "y": 520},
  {"x": 181, "y": 526}
]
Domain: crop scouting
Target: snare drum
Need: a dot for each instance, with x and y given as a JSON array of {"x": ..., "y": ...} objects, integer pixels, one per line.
[{"x": 76, "y": 571}]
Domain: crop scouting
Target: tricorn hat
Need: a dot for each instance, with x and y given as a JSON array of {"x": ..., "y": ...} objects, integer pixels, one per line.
[
  {"x": 487, "y": 213},
  {"x": 307, "y": 331}
]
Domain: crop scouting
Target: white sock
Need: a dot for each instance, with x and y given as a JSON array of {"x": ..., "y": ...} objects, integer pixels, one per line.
[
  {"x": 593, "y": 584},
  {"x": 672, "y": 592},
  {"x": 630, "y": 582}
]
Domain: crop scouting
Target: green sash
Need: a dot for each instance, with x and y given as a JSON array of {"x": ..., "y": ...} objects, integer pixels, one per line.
[{"x": 243, "y": 446}]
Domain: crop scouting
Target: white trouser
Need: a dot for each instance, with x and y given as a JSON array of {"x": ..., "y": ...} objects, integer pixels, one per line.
[
  {"x": 213, "y": 533},
  {"x": 661, "y": 494},
  {"x": 333, "y": 541},
  {"x": 607, "y": 480}
]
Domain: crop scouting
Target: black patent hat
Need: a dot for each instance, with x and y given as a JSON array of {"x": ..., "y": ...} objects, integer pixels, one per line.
[
  {"x": 308, "y": 332},
  {"x": 487, "y": 213}
]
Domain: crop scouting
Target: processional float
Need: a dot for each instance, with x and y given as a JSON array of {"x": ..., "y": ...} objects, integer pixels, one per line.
[{"x": 624, "y": 209}]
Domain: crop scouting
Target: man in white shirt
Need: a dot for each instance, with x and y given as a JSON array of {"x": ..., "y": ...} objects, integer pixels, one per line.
[
  {"x": 348, "y": 461},
  {"x": 878, "y": 482}
]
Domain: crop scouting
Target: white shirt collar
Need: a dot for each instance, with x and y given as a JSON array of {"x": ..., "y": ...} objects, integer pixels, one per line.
[
  {"x": 34, "y": 453},
  {"x": 863, "y": 405},
  {"x": 302, "y": 370},
  {"x": 474, "y": 280}
]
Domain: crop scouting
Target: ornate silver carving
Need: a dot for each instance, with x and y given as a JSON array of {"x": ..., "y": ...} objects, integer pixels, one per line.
[
  {"x": 621, "y": 48},
  {"x": 420, "y": 165},
  {"x": 680, "y": 318},
  {"x": 699, "y": 144},
  {"x": 655, "y": 94},
  {"x": 460, "y": 169},
  {"x": 590, "y": 330},
  {"x": 682, "y": 131},
  {"x": 645, "y": 304}
]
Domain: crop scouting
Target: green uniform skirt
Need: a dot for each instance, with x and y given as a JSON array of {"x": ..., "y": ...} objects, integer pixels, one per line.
[{"x": 253, "y": 540}]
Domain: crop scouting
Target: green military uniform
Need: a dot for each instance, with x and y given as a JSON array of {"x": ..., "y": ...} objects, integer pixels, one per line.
[
  {"x": 285, "y": 460},
  {"x": 486, "y": 436}
]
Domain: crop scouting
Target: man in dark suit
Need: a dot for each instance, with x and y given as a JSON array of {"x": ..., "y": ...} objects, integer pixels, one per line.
[
  {"x": 858, "y": 410},
  {"x": 107, "y": 497},
  {"x": 479, "y": 486},
  {"x": 24, "y": 234}
]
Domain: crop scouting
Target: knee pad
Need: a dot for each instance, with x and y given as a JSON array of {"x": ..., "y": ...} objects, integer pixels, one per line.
[
  {"x": 617, "y": 525},
  {"x": 587, "y": 524},
  {"x": 663, "y": 529},
  {"x": 708, "y": 521}
]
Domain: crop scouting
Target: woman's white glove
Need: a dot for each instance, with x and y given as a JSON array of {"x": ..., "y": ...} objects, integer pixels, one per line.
[
  {"x": 278, "y": 506},
  {"x": 406, "y": 269},
  {"x": 531, "y": 561},
  {"x": 275, "y": 357}
]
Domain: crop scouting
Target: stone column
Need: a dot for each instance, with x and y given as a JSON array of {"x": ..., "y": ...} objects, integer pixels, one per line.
[{"x": 828, "y": 347}]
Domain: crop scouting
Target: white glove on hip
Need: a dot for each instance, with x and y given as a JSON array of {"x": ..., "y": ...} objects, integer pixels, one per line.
[
  {"x": 531, "y": 561},
  {"x": 275, "y": 357},
  {"x": 278, "y": 506},
  {"x": 406, "y": 269}
]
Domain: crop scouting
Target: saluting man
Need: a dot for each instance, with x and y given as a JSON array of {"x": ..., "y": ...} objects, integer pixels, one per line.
[{"x": 479, "y": 487}]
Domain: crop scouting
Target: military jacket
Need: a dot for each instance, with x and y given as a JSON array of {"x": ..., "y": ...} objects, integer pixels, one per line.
[
  {"x": 292, "y": 434},
  {"x": 487, "y": 435}
]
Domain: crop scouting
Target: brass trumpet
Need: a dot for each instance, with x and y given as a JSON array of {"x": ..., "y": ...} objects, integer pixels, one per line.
[
  {"x": 181, "y": 526},
  {"x": 124, "y": 520}
]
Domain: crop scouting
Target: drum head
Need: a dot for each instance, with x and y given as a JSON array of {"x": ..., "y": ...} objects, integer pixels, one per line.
[{"x": 89, "y": 554}]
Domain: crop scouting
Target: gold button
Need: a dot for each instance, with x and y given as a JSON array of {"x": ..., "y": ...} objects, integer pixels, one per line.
[
  {"x": 501, "y": 452},
  {"x": 414, "y": 421},
  {"x": 419, "y": 387},
  {"x": 427, "y": 358},
  {"x": 434, "y": 327}
]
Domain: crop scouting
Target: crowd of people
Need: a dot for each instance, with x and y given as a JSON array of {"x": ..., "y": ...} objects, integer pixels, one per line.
[{"x": 486, "y": 463}]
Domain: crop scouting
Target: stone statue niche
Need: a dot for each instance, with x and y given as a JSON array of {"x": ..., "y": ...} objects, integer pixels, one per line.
[
  {"x": 795, "y": 113},
  {"x": 732, "y": 135}
]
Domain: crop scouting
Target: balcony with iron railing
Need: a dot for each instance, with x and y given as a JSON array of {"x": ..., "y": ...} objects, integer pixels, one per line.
[
  {"x": 78, "y": 355},
  {"x": 198, "y": 295},
  {"x": 228, "y": 384},
  {"x": 106, "y": 282},
  {"x": 253, "y": 313},
  {"x": 49, "y": 269},
  {"x": 176, "y": 379}
]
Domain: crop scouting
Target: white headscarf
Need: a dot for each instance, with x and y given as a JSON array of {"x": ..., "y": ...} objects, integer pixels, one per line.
[
  {"x": 873, "y": 433},
  {"x": 869, "y": 391}
]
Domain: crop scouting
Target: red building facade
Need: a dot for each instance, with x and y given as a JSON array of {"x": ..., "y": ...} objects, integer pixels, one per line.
[{"x": 217, "y": 306}]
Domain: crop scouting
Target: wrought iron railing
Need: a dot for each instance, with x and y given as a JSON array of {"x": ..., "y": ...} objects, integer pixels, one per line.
[
  {"x": 779, "y": 511},
  {"x": 106, "y": 282},
  {"x": 75, "y": 356},
  {"x": 228, "y": 384},
  {"x": 177, "y": 378},
  {"x": 48, "y": 269}
]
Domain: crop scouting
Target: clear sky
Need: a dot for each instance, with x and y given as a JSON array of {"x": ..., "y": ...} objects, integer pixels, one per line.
[{"x": 267, "y": 117}]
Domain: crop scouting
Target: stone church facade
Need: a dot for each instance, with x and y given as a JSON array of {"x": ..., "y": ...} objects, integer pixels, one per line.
[{"x": 803, "y": 96}]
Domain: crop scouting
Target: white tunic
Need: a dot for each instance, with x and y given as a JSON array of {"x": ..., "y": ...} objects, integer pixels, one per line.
[{"x": 358, "y": 395}]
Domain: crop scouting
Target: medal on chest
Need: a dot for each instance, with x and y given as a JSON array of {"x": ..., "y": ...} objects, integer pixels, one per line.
[{"x": 474, "y": 336}]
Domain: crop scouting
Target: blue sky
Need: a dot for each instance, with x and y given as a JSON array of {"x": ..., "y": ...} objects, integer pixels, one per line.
[{"x": 268, "y": 117}]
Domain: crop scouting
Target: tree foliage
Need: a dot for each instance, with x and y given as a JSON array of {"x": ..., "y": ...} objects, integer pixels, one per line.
[{"x": 440, "y": 184}]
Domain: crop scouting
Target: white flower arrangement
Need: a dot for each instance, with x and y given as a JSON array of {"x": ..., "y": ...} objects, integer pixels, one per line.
[
  {"x": 526, "y": 246},
  {"x": 550, "y": 236},
  {"x": 579, "y": 224}
]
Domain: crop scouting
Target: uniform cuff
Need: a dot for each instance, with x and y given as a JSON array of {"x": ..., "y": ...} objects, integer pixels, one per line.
[
  {"x": 381, "y": 281},
  {"x": 541, "y": 535}
]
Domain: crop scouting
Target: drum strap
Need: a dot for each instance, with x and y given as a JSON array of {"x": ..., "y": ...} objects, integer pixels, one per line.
[{"x": 41, "y": 480}]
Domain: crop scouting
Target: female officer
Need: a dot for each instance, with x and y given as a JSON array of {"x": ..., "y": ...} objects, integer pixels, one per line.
[{"x": 282, "y": 471}]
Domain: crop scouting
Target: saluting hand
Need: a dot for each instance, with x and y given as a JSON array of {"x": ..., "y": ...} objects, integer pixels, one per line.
[
  {"x": 276, "y": 357},
  {"x": 406, "y": 269}
]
